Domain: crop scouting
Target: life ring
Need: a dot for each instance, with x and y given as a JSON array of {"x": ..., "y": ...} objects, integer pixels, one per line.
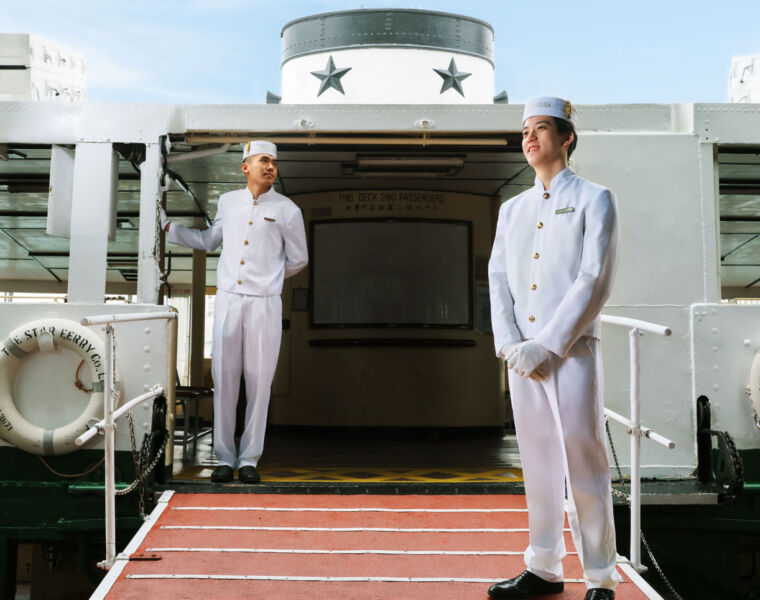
[
  {"x": 753, "y": 389},
  {"x": 47, "y": 334}
]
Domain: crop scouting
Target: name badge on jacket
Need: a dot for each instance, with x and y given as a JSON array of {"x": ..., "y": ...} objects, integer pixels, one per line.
[
  {"x": 269, "y": 219},
  {"x": 562, "y": 211}
]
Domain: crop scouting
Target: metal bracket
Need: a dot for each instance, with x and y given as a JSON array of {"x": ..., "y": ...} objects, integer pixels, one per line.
[
  {"x": 95, "y": 423},
  {"x": 145, "y": 556}
]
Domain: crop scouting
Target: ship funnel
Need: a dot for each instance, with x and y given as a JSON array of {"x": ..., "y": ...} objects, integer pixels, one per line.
[{"x": 387, "y": 57}]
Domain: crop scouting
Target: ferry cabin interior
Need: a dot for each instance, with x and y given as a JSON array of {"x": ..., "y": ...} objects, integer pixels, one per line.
[{"x": 388, "y": 328}]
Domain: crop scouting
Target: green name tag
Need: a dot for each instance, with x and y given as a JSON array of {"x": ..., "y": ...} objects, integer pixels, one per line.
[{"x": 562, "y": 211}]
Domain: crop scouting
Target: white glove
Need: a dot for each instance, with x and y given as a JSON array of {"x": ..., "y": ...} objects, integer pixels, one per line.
[
  {"x": 508, "y": 350},
  {"x": 527, "y": 358},
  {"x": 163, "y": 219}
]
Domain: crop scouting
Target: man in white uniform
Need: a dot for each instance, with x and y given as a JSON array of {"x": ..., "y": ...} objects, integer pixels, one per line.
[
  {"x": 551, "y": 270},
  {"x": 263, "y": 242}
]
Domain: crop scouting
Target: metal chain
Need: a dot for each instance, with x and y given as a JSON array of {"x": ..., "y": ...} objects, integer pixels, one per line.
[
  {"x": 143, "y": 474},
  {"x": 731, "y": 488},
  {"x": 622, "y": 494},
  {"x": 164, "y": 183},
  {"x": 140, "y": 473},
  {"x": 137, "y": 461}
]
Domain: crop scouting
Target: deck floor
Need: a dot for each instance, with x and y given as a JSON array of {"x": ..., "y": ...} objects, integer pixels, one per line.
[{"x": 371, "y": 456}]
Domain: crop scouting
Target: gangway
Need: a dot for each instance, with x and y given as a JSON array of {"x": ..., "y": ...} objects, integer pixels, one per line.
[{"x": 264, "y": 546}]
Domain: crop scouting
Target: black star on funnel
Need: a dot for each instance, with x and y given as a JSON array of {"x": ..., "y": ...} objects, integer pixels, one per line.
[
  {"x": 452, "y": 78},
  {"x": 330, "y": 77}
]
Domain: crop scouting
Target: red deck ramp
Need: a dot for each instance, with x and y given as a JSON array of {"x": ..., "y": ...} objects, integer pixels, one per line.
[{"x": 278, "y": 547}]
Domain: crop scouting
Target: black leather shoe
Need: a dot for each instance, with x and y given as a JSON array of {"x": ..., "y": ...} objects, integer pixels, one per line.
[
  {"x": 600, "y": 594},
  {"x": 248, "y": 474},
  {"x": 222, "y": 474},
  {"x": 525, "y": 585}
]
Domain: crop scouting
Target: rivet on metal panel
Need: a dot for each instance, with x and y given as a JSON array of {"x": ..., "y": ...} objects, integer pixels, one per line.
[
  {"x": 304, "y": 123},
  {"x": 716, "y": 368},
  {"x": 747, "y": 343},
  {"x": 147, "y": 331},
  {"x": 146, "y": 349},
  {"x": 714, "y": 348},
  {"x": 715, "y": 330},
  {"x": 424, "y": 124},
  {"x": 716, "y": 386},
  {"x": 146, "y": 387},
  {"x": 146, "y": 368}
]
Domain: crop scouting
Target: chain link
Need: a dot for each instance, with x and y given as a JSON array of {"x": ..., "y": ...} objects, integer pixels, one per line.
[
  {"x": 141, "y": 473},
  {"x": 627, "y": 497}
]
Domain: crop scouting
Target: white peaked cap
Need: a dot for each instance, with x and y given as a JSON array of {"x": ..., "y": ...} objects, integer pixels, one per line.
[
  {"x": 255, "y": 147},
  {"x": 551, "y": 107}
]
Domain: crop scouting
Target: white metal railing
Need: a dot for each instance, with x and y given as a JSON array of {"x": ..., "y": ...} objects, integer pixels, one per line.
[
  {"x": 635, "y": 429},
  {"x": 107, "y": 427}
]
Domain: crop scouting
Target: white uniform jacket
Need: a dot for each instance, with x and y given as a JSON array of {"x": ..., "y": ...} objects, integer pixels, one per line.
[
  {"x": 553, "y": 263},
  {"x": 264, "y": 241}
]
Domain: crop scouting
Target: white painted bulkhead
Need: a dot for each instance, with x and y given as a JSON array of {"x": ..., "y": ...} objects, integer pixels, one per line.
[{"x": 659, "y": 160}]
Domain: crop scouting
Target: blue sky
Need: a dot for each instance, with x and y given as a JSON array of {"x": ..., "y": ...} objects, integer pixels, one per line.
[{"x": 220, "y": 51}]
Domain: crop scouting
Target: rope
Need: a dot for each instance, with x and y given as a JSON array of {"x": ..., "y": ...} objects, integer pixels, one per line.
[
  {"x": 78, "y": 383},
  {"x": 54, "y": 472}
]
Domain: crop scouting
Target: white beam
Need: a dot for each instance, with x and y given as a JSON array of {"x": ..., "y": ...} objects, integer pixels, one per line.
[
  {"x": 92, "y": 219},
  {"x": 148, "y": 266}
]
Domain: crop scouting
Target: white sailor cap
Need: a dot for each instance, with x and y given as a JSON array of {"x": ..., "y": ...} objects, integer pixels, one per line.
[
  {"x": 259, "y": 147},
  {"x": 551, "y": 107}
]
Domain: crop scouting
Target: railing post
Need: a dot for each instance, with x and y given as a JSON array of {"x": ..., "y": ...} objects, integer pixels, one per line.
[
  {"x": 637, "y": 329},
  {"x": 108, "y": 429},
  {"x": 635, "y": 452},
  {"x": 110, "y": 414}
]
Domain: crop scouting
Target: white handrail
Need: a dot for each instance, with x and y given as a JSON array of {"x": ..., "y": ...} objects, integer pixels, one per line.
[
  {"x": 637, "y": 324},
  {"x": 98, "y": 427},
  {"x": 110, "y": 414},
  {"x": 635, "y": 429},
  {"x": 645, "y": 431},
  {"x": 124, "y": 317}
]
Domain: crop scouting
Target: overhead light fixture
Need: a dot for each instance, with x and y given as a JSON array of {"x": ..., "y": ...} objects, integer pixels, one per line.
[
  {"x": 451, "y": 162},
  {"x": 403, "y": 166},
  {"x": 394, "y": 174}
]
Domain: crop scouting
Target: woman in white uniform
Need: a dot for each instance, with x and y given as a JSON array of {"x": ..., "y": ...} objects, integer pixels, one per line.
[
  {"x": 551, "y": 270},
  {"x": 264, "y": 242}
]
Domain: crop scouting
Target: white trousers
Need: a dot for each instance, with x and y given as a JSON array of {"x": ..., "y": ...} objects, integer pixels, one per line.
[
  {"x": 561, "y": 435},
  {"x": 246, "y": 340}
]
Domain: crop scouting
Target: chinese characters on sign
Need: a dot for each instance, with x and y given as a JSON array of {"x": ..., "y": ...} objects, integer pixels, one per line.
[{"x": 390, "y": 202}]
